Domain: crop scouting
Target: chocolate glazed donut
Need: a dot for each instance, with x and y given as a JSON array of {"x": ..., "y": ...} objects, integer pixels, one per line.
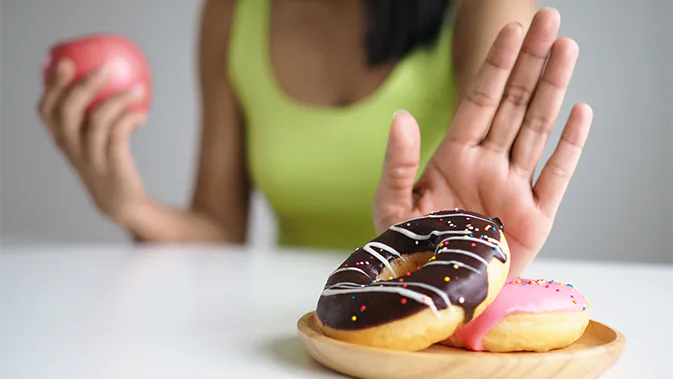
[{"x": 414, "y": 284}]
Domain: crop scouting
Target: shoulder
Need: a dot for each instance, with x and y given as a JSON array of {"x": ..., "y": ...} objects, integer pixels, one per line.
[{"x": 215, "y": 29}]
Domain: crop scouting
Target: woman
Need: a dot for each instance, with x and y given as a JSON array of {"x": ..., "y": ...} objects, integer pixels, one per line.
[{"x": 296, "y": 99}]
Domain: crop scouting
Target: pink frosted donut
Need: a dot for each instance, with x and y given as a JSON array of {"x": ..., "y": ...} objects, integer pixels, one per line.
[{"x": 527, "y": 315}]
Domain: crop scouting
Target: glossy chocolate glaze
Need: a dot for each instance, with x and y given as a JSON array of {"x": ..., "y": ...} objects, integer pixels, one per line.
[{"x": 462, "y": 242}]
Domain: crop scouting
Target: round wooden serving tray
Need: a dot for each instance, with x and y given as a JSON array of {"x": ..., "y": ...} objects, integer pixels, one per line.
[{"x": 593, "y": 354}]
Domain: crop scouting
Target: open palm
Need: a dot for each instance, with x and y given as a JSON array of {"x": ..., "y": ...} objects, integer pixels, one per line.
[{"x": 487, "y": 160}]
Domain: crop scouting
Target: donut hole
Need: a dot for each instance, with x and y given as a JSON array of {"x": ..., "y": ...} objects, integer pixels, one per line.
[{"x": 405, "y": 265}]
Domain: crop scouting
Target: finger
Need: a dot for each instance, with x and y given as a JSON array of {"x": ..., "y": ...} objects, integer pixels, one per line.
[
  {"x": 101, "y": 121},
  {"x": 544, "y": 108},
  {"x": 400, "y": 166},
  {"x": 475, "y": 112},
  {"x": 119, "y": 148},
  {"x": 73, "y": 105},
  {"x": 555, "y": 176},
  {"x": 56, "y": 85},
  {"x": 525, "y": 75}
]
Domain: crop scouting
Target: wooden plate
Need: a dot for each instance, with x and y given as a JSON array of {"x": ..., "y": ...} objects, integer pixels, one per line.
[{"x": 593, "y": 354}]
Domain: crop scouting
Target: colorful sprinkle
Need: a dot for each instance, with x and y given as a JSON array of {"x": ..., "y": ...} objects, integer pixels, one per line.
[
  {"x": 455, "y": 266},
  {"x": 403, "y": 301},
  {"x": 354, "y": 318},
  {"x": 353, "y": 297},
  {"x": 362, "y": 308},
  {"x": 408, "y": 273},
  {"x": 446, "y": 278},
  {"x": 461, "y": 300}
]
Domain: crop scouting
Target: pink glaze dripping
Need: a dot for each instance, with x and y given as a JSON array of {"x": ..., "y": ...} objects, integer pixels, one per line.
[{"x": 520, "y": 295}]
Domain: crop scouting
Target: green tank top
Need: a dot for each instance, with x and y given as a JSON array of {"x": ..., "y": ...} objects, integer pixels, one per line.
[{"x": 319, "y": 167}]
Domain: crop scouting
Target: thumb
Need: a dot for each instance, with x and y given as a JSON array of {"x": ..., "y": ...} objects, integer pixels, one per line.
[{"x": 394, "y": 198}]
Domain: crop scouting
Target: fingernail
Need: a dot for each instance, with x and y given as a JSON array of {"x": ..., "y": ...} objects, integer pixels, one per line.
[
  {"x": 63, "y": 66},
  {"x": 396, "y": 112}
]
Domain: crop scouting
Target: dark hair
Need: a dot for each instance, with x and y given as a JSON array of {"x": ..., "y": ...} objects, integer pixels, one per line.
[{"x": 396, "y": 27}]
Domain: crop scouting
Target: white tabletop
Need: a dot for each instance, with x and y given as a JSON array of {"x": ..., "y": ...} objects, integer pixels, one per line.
[{"x": 186, "y": 312}]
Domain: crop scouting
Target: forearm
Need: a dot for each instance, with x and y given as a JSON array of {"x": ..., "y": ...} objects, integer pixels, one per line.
[
  {"x": 477, "y": 23},
  {"x": 152, "y": 221},
  {"x": 219, "y": 210}
]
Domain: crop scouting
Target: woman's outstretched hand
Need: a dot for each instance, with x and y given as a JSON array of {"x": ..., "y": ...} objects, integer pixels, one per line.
[{"x": 487, "y": 159}]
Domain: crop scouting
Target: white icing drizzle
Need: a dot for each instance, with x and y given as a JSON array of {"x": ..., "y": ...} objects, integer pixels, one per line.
[
  {"x": 351, "y": 285},
  {"x": 342, "y": 269},
  {"x": 480, "y": 240},
  {"x": 411, "y": 294},
  {"x": 423, "y": 237},
  {"x": 347, "y": 284},
  {"x": 385, "y": 247},
  {"x": 460, "y": 264},
  {"x": 380, "y": 257},
  {"x": 447, "y": 215},
  {"x": 434, "y": 289},
  {"x": 463, "y": 252}
]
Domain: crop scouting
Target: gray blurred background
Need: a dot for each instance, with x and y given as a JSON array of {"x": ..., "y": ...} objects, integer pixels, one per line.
[{"x": 619, "y": 205}]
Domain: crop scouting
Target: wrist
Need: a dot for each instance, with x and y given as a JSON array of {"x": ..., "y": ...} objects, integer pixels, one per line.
[{"x": 132, "y": 215}]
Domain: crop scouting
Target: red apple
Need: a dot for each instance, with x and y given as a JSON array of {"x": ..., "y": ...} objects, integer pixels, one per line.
[{"x": 127, "y": 63}]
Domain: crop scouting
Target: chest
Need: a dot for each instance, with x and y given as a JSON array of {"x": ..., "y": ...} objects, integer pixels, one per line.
[
  {"x": 316, "y": 116},
  {"x": 317, "y": 52}
]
